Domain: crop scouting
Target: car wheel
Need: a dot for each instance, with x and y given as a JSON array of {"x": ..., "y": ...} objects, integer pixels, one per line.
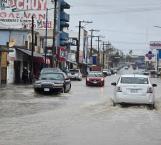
[
  {"x": 65, "y": 90},
  {"x": 151, "y": 106},
  {"x": 113, "y": 104},
  {"x": 36, "y": 90},
  {"x": 69, "y": 88}
]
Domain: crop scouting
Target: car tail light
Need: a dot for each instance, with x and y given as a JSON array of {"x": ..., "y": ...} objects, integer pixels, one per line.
[
  {"x": 150, "y": 90},
  {"x": 119, "y": 89}
]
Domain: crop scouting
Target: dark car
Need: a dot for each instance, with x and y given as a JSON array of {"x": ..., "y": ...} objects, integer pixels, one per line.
[
  {"x": 50, "y": 70},
  {"x": 53, "y": 82},
  {"x": 95, "y": 79}
]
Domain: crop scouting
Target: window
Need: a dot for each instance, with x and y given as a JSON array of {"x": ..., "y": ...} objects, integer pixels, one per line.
[
  {"x": 52, "y": 76},
  {"x": 95, "y": 75},
  {"x": 134, "y": 80}
]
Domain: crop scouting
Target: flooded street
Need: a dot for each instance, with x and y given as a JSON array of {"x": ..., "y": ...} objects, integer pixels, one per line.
[{"x": 84, "y": 116}]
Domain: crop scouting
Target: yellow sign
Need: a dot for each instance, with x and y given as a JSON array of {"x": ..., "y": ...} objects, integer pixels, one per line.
[{"x": 3, "y": 59}]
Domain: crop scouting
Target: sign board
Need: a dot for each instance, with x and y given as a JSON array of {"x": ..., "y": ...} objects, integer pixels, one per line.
[
  {"x": 159, "y": 54},
  {"x": 3, "y": 59},
  {"x": 72, "y": 57},
  {"x": 12, "y": 54},
  {"x": 155, "y": 45},
  {"x": 18, "y": 13}
]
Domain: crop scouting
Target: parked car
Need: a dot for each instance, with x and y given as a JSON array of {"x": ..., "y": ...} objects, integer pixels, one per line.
[
  {"x": 53, "y": 82},
  {"x": 106, "y": 72},
  {"x": 95, "y": 78},
  {"x": 134, "y": 89},
  {"x": 75, "y": 74}
]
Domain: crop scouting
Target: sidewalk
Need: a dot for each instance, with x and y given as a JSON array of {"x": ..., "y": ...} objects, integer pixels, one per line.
[{"x": 15, "y": 86}]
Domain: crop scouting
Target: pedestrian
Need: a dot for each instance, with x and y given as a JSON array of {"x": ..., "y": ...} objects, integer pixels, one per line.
[{"x": 25, "y": 75}]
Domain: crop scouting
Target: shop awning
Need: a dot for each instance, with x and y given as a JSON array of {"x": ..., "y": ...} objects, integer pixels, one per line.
[
  {"x": 73, "y": 62},
  {"x": 28, "y": 52},
  {"x": 37, "y": 57}
]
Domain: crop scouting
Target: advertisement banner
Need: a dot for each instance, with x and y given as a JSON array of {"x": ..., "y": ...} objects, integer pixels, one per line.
[
  {"x": 18, "y": 14},
  {"x": 155, "y": 45}
]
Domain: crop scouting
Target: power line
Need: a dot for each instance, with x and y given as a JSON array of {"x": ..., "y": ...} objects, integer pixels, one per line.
[{"x": 129, "y": 10}]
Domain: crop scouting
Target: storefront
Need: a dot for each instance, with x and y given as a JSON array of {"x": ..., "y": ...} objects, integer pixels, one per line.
[{"x": 24, "y": 59}]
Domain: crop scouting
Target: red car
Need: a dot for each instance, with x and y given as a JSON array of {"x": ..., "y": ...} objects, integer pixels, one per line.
[{"x": 95, "y": 78}]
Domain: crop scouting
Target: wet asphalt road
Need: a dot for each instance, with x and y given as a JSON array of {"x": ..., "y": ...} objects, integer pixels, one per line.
[{"x": 85, "y": 116}]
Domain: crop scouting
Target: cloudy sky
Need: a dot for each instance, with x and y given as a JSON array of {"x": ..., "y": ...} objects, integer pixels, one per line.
[{"x": 127, "y": 24}]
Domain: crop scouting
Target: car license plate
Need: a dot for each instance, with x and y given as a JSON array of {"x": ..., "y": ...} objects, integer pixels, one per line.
[
  {"x": 46, "y": 89},
  {"x": 134, "y": 90},
  {"x": 95, "y": 82}
]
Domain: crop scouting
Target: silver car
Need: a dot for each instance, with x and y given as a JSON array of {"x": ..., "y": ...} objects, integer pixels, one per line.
[
  {"x": 134, "y": 89},
  {"x": 75, "y": 74}
]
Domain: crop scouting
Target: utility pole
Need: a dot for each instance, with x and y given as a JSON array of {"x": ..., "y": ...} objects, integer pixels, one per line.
[
  {"x": 54, "y": 51},
  {"x": 78, "y": 44},
  {"x": 98, "y": 50},
  {"x": 103, "y": 54},
  {"x": 91, "y": 50},
  {"x": 46, "y": 34},
  {"x": 32, "y": 51},
  {"x": 105, "y": 51}
]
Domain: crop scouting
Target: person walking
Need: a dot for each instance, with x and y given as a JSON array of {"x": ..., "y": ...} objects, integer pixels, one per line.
[{"x": 25, "y": 75}]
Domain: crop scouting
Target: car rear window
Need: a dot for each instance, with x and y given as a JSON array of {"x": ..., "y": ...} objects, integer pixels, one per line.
[
  {"x": 134, "y": 80},
  {"x": 95, "y": 75},
  {"x": 74, "y": 71}
]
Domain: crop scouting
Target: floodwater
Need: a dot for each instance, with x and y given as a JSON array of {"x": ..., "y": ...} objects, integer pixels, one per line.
[{"x": 84, "y": 116}]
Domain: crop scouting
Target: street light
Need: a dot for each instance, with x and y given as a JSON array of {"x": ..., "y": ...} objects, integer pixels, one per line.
[{"x": 79, "y": 33}]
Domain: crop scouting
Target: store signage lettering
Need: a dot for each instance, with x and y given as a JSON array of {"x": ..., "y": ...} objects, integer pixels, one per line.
[{"x": 19, "y": 13}]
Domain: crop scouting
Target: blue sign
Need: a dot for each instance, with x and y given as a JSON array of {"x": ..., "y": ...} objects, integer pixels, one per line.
[{"x": 159, "y": 52}]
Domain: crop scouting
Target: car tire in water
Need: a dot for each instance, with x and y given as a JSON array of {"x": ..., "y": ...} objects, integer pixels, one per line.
[
  {"x": 151, "y": 106},
  {"x": 36, "y": 90},
  {"x": 113, "y": 103}
]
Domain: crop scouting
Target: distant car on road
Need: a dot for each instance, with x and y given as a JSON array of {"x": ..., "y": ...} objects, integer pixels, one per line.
[
  {"x": 53, "y": 82},
  {"x": 75, "y": 74},
  {"x": 134, "y": 89},
  {"x": 106, "y": 72},
  {"x": 95, "y": 78}
]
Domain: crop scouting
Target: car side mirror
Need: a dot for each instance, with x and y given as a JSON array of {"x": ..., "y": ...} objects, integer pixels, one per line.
[
  {"x": 154, "y": 85},
  {"x": 113, "y": 84}
]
